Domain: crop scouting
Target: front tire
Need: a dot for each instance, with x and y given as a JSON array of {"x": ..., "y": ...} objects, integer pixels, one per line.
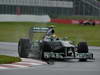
[{"x": 83, "y": 48}]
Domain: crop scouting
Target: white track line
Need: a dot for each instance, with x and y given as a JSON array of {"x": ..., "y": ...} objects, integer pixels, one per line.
[
  {"x": 34, "y": 61},
  {"x": 24, "y": 63},
  {"x": 12, "y": 66},
  {"x": 3, "y": 67}
]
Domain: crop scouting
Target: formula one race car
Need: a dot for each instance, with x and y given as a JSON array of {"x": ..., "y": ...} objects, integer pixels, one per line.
[
  {"x": 51, "y": 48},
  {"x": 88, "y": 23}
]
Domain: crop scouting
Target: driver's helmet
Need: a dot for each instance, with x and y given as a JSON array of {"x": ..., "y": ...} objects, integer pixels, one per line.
[
  {"x": 54, "y": 36},
  {"x": 52, "y": 26}
]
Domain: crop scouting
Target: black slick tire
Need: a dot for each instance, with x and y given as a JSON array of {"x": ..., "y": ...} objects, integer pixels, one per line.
[
  {"x": 23, "y": 47},
  {"x": 83, "y": 48}
]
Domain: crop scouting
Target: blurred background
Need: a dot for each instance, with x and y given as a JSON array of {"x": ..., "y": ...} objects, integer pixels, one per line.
[
  {"x": 65, "y": 9},
  {"x": 17, "y": 16}
]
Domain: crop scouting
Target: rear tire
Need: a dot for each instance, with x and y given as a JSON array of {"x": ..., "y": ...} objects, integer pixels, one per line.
[
  {"x": 23, "y": 47},
  {"x": 83, "y": 48}
]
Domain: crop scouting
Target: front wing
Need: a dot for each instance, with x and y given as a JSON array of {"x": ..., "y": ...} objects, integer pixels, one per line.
[{"x": 48, "y": 55}]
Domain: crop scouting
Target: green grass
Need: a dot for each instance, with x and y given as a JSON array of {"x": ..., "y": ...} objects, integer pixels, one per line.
[
  {"x": 8, "y": 59},
  {"x": 13, "y": 31}
]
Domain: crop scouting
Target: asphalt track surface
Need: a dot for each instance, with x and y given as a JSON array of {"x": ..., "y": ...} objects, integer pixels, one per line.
[{"x": 72, "y": 67}]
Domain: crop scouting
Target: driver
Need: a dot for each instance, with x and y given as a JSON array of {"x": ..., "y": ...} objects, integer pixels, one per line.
[
  {"x": 50, "y": 31},
  {"x": 50, "y": 34}
]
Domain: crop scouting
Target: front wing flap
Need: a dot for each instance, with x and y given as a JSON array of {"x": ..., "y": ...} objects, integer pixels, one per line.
[
  {"x": 84, "y": 55},
  {"x": 49, "y": 55}
]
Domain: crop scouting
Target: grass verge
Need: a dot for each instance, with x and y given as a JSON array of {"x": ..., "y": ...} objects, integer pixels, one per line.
[
  {"x": 8, "y": 59},
  {"x": 13, "y": 31}
]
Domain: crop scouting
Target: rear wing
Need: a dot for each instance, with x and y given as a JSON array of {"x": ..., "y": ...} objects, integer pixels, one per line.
[{"x": 37, "y": 29}]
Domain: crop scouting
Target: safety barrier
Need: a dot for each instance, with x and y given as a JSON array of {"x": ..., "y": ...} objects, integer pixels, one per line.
[
  {"x": 66, "y": 21},
  {"x": 24, "y": 18}
]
